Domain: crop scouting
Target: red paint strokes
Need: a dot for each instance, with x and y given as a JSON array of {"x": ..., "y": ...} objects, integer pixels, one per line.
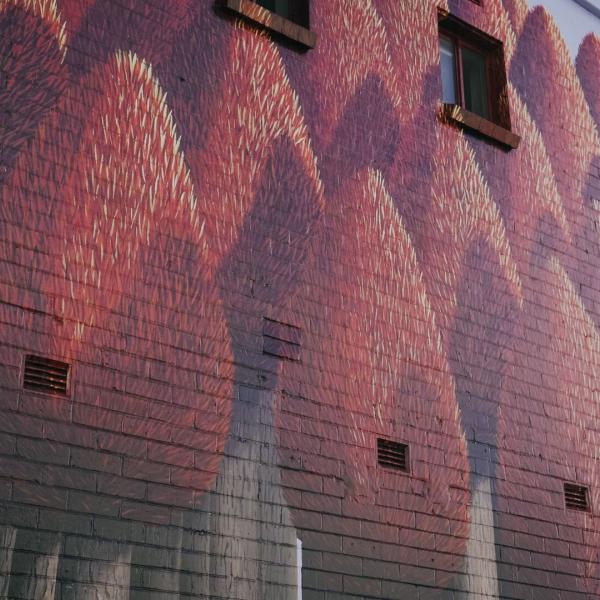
[
  {"x": 33, "y": 83},
  {"x": 239, "y": 143},
  {"x": 284, "y": 197},
  {"x": 413, "y": 41},
  {"x": 543, "y": 69},
  {"x": 343, "y": 36},
  {"x": 146, "y": 28},
  {"x": 193, "y": 76},
  {"x": 547, "y": 435},
  {"x": 261, "y": 271},
  {"x": 588, "y": 69},
  {"x": 177, "y": 323},
  {"x": 530, "y": 203},
  {"x": 123, "y": 261},
  {"x": 533, "y": 185},
  {"x": 129, "y": 184},
  {"x": 413, "y": 47},
  {"x": 373, "y": 366},
  {"x": 32, "y": 74},
  {"x": 461, "y": 213},
  {"x": 492, "y": 19},
  {"x": 495, "y": 21},
  {"x": 45, "y": 10},
  {"x": 135, "y": 261},
  {"x": 361, "y": 87},
  {"x": 116, "y": 257},
  {"x": 517, "y": 11},
  {"x": 73, "y": 11},
  {"x": 119, "y": 276}
]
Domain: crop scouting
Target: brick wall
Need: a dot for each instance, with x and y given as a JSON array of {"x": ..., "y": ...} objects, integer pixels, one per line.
[{"x": 258, "y": 261}]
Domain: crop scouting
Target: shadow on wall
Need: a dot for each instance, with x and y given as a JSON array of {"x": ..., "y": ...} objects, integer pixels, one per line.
[{"x": 185, "y": 462}]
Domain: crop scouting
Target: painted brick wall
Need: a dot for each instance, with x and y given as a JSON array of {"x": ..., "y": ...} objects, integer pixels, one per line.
[{"x": 258, "y": 261}]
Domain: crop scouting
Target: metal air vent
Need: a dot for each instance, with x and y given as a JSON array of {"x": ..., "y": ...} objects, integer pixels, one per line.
[
  {"x": 46, "y": 375},
  {"x": 392, "y": 455},
  {"x": 576, "y": 497}
]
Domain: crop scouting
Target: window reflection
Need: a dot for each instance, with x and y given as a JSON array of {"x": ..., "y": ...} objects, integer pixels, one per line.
[
  {"x": 475, "y": 82},
  {"x": 448, "y": 66}
]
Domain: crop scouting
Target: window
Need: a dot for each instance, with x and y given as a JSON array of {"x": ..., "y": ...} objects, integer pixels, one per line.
[
  {"x": 464, "y": 76},
  {"x": 287, "y": 19},
  {"x": 294, "y": 10},
  {"x": 473, "y": 77}
]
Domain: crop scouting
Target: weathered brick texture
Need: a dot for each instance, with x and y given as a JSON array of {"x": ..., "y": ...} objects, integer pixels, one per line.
[{"x": 258, "y": 260}]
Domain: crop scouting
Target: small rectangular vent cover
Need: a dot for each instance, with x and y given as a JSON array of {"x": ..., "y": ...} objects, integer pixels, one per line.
[
  {"x": 45, "y": 375},
  {"x": 393, "y": 455},
  {"x": 576, "y": 497}
]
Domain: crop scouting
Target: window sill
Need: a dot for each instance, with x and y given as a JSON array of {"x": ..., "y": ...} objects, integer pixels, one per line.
[
  {"x": 269, "y": 20},
  {"x": 453, "y": 113}
]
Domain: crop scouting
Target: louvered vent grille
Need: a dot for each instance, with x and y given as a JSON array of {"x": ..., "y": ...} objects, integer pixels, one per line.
[
  {"x": 46, "y": 375},
  {"x": 392, "y": 455},
  {"x": 576, "y": 497}
]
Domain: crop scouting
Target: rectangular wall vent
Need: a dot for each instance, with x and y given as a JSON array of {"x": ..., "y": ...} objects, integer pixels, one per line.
[
  {"x": 392, "y": 455},
  {"x": 576, "y": 497},
  {"x": 281, "y": 340},
  {"x": 46, "y": 375}
]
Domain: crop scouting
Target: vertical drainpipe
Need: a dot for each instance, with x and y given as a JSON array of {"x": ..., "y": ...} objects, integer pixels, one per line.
[{"x": 299, "y": 567}]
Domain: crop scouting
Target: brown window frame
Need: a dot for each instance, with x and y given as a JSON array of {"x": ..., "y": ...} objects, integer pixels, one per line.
[
  {"x": 283, "y": 28},
  {"x": 496, "y": 125},
  {"x": 300, "y": 16},
  {"x": 459, "y": 43}
]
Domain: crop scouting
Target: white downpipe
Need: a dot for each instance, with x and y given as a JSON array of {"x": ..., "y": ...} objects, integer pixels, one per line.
[
  {"x": 299, "y": 567},
  {"x": 481, "y": 580}
]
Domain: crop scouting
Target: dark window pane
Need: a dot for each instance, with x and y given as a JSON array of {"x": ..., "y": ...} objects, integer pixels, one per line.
[
  {"x": 298, "y": 12},
  {"x": 294, "y": 10},
  {"x": 448, "y": 67},
  {"x": 279, "y": 7},
  {"x": 475, "y": 82}
]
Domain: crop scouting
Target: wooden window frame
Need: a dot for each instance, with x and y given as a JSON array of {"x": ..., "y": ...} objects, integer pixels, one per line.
[
  {"x": 459, "y": 43},
  {"x": 285, "y": 29},
  {"x": 496, "y": 126},
  {"x": 295, "y": 17}
]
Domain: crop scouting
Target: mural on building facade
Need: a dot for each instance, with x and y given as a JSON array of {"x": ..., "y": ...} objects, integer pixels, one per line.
[{"x": 173, "y": 184}]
